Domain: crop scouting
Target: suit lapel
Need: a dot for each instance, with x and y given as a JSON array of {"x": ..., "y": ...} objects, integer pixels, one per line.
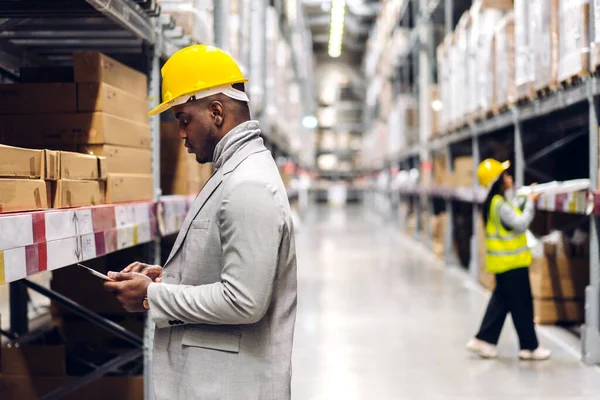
[
  {"x": 253, "y": 147},
  {"x": 209, "y": 188}
]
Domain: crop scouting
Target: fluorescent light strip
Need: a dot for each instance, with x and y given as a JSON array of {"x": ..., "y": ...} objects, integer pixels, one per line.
[{"x": 336, "y": 31}]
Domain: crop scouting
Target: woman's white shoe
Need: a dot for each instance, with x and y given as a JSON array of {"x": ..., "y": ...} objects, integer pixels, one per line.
[
  {"x": 539, "y": 354},
  {"x": 482, "y": 349}
]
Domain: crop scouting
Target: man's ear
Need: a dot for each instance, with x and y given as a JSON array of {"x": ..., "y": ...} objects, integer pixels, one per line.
[{"x": 217, "y": 112}]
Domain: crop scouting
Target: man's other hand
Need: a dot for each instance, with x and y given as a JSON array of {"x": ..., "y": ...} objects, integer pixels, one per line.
[
  {"x": 154, "y": 272},
  {"x": 130, "y": 289}
]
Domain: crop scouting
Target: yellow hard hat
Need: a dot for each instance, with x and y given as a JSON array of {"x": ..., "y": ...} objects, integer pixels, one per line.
[
  {"x": 199, "y": 71},
  {"x": 489, "y": 170}
]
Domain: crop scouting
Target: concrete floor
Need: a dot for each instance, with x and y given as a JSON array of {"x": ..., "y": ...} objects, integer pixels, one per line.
[{"x": 379, "y": 318}]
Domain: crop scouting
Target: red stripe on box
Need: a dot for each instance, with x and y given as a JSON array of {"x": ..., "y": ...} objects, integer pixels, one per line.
[
  {"x": 42, "y": 257},
  {"x": 31, "y": 259},
  {"x": 100, "y": 244},
  {"x": 103, "y": 218},
  {"x": 39, "y": 227}
]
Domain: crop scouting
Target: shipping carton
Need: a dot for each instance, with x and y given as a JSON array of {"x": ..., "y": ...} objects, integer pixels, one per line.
[
  {"x": 111, "y": 100},
  {"x": 524, "y": 53},
  {"x": 550, "y": 311},
  {"x": 504, "y": 41},
  {"x": 128, "y": 187},
  {"x": 16, "y": 162},
  {"x": 37, "y": 98},
  {"x": 74, "y": 166},
  {"x": 559, "y": 278},
  {"x": 464, "y": 172},
  {"x": 95, "y": 67},
  {"x": 34, "y": 360},
  {"x": 24, "y": 195},
  {"x": 573, "y": 39},
  {"x": 56, "y": 130},
  {"x": 73, "y": 193},
  {"x": 122, "y": 160},
  {"x": 444, "y": 69},
  {"x": 24, "y": 387}
]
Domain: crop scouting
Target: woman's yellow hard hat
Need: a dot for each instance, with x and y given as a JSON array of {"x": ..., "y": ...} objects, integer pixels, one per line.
[
  {"x": 489, "y": 170},
  {"x": 199, "y": 71}
]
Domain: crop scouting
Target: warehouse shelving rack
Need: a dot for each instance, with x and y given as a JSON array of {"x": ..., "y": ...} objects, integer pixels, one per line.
[
  {"x": 582, "y": 97},
  {"x": 44, "y": 33}
]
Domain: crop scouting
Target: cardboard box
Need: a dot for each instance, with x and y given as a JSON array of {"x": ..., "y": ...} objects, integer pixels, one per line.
[
  {"x": 16, "y": 162},
  {"x": 34, "y": 360},
  {"x": 95, "y": 67},
  {"x": 464, "y": 172},
  {"x": 549, "y": 311},
  {"x": 129, "y": 187},
  {"x": 524, "y": 53},
  {"x": 120, "y": 159},
  {"x": 111, "y": 100},
  {"x": 559, "y": 279},
  {"x": 24, "y": 195},
  {"x": 23, "y": 387},
  {"x": 71, "y": 193},
  {"x": 56, "y": 130},
  {"x": 74, "y": 166},
  {"x": 37, "y": 98}
]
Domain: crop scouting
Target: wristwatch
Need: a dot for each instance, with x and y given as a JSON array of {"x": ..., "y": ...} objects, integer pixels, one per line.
[{"x": 145, "y": 303}]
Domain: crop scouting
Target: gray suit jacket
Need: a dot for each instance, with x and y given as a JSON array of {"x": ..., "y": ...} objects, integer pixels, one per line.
[{"x": 226, "y": 309}]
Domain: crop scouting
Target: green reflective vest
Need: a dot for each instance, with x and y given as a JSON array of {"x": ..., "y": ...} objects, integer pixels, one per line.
[{"x": 505, "y": 250}]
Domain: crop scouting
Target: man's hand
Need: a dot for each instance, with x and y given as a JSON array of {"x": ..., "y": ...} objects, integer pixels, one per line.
[
  {"x": 534, "y": 196},
  {"x": 131, "y": 289},
  {"x": 154, "y": 272}
]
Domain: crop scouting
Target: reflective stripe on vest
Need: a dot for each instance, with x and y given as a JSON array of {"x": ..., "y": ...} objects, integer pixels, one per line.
[{"x": 505, "y": 249}]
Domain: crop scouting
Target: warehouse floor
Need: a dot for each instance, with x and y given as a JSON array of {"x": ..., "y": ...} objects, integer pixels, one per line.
[{"x": 381, "y": 318}]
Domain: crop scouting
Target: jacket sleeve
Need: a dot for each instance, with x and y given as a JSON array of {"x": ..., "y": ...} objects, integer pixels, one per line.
[
  {"x": 512, "y": 220},
  {"x": 251, "y": 226}
]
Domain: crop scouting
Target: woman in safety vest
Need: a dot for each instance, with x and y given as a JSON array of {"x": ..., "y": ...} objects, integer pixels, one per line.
[{"x": 508, "y": 257}]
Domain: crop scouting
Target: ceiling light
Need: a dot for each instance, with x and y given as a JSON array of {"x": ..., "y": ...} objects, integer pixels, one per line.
[
  {"x": 310, "y": 122},
  {"x": 336, "y": 30}
]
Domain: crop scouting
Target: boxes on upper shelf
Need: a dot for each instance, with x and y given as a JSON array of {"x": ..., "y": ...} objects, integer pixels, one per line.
[
  {"x": 129, "y": 187},
  {"x": 544, "y": 35},
  {"x": 71, "y": 193},
  {"x": 464, "y": 171},
  {"x": 16, "y": 162},
  {"x": 120, "y": 159},
  {"x": 524, "y": 53},
  {"x": 573, "y": 39},
  {"x": 95, "y": 67},
  {"x": 24, "y": 195},
  {"x": 37, "y": 98},
  {"x": 112, "y": 100},
  {"x": 56, "y": 130},
  {"x": 504, "y": 40}
]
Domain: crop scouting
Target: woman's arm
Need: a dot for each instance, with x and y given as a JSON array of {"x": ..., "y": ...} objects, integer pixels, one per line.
[{"x": 513, "y": 221}]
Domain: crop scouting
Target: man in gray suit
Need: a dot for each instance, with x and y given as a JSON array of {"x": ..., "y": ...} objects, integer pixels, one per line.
[{"x": 224, "y": 303}]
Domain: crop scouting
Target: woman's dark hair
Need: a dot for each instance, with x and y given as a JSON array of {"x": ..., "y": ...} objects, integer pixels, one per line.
[{"x": 497, "y": 188}]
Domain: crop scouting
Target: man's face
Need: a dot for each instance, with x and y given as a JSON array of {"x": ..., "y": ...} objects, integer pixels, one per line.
[{"x": 197, "y": 128}]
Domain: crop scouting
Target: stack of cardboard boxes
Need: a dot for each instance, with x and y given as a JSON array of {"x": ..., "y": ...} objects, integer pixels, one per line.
[
  {"x": 573, "y": 39},
  {"x": 180, "y": 173},
  {"x": 439, "y": 224},
  {"x": 559, "y": 275},
  {"x": 39, "y": 179},
  {"x": 103, "y": 112}
]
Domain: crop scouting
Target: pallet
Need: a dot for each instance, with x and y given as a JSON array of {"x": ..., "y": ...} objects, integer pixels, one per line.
[
  {"x": 574, "y": 79},
  {"x": 547, "y": 91}
]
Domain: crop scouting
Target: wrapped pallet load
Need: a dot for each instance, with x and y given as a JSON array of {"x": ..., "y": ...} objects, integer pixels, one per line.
[
  {"x": 485, "y": 15},
  {"x": 573, "y": 39},
  {"x": 524, "y": 74},
  {"x": 504, "y": 38},
  {"x": 460, "y": 75},
  {"x": 544, "y": 37},
  {"x": 445, "y": 82},
  {"x": 595, "y": 45}
]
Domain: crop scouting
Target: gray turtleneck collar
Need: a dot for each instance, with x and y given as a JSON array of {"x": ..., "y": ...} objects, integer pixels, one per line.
[{"x": 234, "y": 140}]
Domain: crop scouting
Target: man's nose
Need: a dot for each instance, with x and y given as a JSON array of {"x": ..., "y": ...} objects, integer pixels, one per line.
[{"x": 182, "y": 134}]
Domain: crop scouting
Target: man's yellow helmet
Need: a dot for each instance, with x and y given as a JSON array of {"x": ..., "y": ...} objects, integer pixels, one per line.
[
  {"x": 489, "y": 170},
  {"x": 196, "y": 72}
]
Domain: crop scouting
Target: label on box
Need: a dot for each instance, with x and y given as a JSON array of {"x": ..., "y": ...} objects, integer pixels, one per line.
[
  {"x": 15, "y": 264},
  {"x": 15, "y": 231}
]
